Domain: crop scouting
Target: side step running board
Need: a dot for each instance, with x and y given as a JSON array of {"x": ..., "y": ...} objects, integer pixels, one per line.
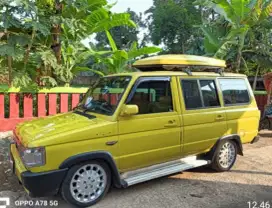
[{"x": 156, "y": 171}]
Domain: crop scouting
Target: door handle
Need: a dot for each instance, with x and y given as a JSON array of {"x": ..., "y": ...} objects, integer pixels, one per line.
[
  {"x": 171, "y": 123},
  {"x": 219, "y": 118},
  {"x": 111, "y": 143}
]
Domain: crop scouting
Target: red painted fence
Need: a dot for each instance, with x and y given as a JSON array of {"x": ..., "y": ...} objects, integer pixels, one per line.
[
  {"x": 16, "y": 107},
  {"x": 261, "y": 102}
]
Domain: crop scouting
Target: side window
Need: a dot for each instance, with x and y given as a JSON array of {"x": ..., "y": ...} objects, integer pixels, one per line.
[
  {"x": 209, "y": 93},
  {"x": 200, "y": 94},
  {"x": 153, "y": 97},
  {"x": 234, "y": 91},
  {"x": 191, "y": 94}
]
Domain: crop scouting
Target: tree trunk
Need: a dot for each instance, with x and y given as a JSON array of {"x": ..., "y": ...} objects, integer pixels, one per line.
[
  {"x": 56, "y": 46},
  {"x": 56, "y": 31},
  {"x": 183, "y": 46},
  {"x": 238, "y": 61},
  {"x": 29, "y": 48},
  {"x": 240, "y": 48},
  {"x": 255, "y": 79},
  {"x": 10, "y": 71},
  {"x": 9, "y": 64}
]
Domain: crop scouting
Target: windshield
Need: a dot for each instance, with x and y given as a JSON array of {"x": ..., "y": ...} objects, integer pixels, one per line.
[{"x": 104, "y": 96}]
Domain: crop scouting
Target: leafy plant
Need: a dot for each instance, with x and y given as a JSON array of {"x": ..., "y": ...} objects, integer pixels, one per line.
[
  {"x": 240, "y": 16},
  {"x": 116, "y": 61},
  {"x": 171, "y": 24},
  {"x": 40, "y": 40}
]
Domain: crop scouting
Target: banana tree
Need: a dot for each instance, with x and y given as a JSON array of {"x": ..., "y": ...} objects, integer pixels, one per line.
[
  {"x": 240, "y": 16},
  {"x": 102, "y": 20},
  {"x": 116, "y": 61}
]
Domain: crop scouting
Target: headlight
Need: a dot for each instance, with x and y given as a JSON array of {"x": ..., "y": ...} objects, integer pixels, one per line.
[{"x": 33, "y": 157}]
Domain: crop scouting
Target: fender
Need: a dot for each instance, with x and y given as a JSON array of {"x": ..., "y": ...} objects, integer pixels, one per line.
[
  {"x": 235, "y": 137},
  {"x": 98, "y": 155}
]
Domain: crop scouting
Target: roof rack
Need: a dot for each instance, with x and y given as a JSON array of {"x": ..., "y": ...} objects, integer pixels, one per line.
[
  {"x": 185, "y": 63},
  {"x": 186, "y": 69},
  {"x": 182, "y": 59},
  {"x": 220, "y": 71}
]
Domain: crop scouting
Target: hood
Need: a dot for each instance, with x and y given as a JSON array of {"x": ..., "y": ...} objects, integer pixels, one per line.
[{"x": 61, "y": 128}]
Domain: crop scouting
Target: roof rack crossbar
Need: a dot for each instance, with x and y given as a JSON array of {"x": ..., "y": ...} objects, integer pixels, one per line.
[
  {"x": 187, "y": 71},
  {"x": 220, "y": 71}
]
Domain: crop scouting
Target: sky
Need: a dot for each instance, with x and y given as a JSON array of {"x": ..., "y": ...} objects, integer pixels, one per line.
[{"x": 135, "y": 5}]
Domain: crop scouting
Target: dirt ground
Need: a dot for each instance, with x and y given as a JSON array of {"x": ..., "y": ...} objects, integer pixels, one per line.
[{"x": 248, "y": 182}]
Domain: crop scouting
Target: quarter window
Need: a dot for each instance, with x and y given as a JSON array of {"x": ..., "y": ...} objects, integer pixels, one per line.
[
  {"x": 153, "y": 97},
  {"x": 209, "y": 93},
  {"x": 191, "y": 94},
  {"x": 200, "y": 94},
  {"x": 234, "y": 91}
]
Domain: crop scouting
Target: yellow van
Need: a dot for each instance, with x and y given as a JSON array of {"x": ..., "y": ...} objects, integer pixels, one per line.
[{"x": 134, "y": 127}]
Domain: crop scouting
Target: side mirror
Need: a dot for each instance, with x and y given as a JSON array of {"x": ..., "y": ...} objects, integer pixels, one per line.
[{"x": 130, "y": 110}]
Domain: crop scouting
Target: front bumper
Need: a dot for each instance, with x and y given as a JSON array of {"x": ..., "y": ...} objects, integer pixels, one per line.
[{"x": 36, "y": 184}]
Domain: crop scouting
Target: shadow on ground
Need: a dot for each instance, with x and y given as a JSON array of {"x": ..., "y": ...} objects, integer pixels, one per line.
[
  {"x": 175, "y": 191},
  {"x": 266, "y": 134}
]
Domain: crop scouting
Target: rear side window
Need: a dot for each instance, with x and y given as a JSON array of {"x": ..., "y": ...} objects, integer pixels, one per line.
[
  {"x": 235, "y": 91},
  {"x": 191, "y": 94},
  {"x": 209, "y": 93},
  {"x": 200, "y": 94}
]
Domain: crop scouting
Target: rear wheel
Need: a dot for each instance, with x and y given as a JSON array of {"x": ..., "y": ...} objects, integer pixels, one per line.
[
  {"x": 225, "y": 156},
  {"x": 87, "y": 183}
]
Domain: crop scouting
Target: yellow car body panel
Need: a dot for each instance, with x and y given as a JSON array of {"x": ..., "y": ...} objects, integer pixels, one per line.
[
  {"x": 141, "y": 140},
  {"x": 18, "y": 163}
]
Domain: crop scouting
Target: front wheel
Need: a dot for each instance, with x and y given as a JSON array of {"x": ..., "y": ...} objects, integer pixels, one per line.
[
  {"x": 86, "y": 183},
  {"x": 225, "y": 156}
]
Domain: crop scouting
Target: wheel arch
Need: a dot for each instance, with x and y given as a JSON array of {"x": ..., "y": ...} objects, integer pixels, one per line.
[
  {"x": 234, "y": 137},
  {"x": 100, "y": 156}
]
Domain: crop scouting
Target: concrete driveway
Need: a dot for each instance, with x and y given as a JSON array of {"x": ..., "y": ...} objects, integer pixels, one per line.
[{"x": 248, "y": 182}]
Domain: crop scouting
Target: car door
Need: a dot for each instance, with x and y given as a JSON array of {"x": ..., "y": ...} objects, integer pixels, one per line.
[
  {"x": 241, "y": 109},
  {"x": 153, "y": 135},
  {"x": 203, "y": 115}
]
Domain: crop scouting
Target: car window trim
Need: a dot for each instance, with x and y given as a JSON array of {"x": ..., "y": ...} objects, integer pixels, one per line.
[
  {"x": 201, "y": 94},
  {"x": 237, "y": 104},
  {"x": 216, "y": 91},
  {"x": 144, "y": 79}
]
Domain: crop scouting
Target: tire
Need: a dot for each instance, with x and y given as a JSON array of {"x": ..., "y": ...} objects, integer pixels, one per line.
[
  {"x": 265, "y": 124},
  {"x": 223, "y": 161},
  {"x": 83, "y": 193}
]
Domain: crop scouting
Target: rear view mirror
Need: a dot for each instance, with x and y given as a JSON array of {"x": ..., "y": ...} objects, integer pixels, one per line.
[{"x": 130, "y": 110}]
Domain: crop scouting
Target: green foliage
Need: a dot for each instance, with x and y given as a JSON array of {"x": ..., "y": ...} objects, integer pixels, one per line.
[
  {"x": 123, "y": 35},
  {"x": 115, "y": 61},
  {"x": 103, "y": 20},
  {"x": 171, "y": 23},
  {"x": 41, "y": 39},
  {"x": 240, "y": 18}
]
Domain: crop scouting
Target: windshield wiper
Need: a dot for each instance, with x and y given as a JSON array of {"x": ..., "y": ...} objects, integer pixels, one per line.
[
  {"x": 89, "y": 116},
  {"x": 79, "y": 107}
]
